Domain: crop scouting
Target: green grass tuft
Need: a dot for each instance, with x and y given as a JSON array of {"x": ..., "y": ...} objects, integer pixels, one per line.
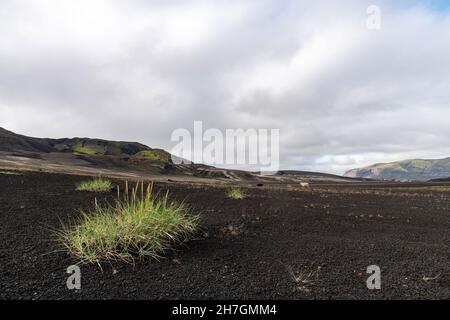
[
  {"x": 153, "y": 155},
  {"x": 78, "y": 149},
  {"x": 135, "y": 228},
  {"x": 96, "y": 185},
  {"x": 10, "y": 173},
  {"x": 429, "y": 188},
  {"x": 236, "y": 193}
]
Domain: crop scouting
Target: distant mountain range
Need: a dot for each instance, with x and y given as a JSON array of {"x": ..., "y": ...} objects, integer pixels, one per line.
[
  {"x": 418, "y": 169},
  {"x": 137, "y": 157},
  {"x": 104, "y": 157}
]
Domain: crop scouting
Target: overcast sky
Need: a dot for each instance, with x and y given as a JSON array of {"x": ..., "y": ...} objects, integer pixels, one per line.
[{"x": 342, "y": 95}]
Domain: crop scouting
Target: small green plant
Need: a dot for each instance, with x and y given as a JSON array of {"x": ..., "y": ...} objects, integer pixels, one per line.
[
  {"x": 138, "y": 226},
  {"x": 96, "y": 185},
  {"x": 78, "y": 149},
  {"x": 153, "y": 155},
  {"x": 10, "y": 173},
  {"x": 426, "y": 188},
  {"x": 235, "y": 193}
]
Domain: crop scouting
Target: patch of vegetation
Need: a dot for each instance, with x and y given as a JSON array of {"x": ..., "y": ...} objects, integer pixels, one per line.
[
  {"x": 440, "y": 180},
  {"x": 86, "y": 150},
  {"x": 430, "y": 188},
  {"x": 96, "y": 185},
  {"x": 236, "y": 194},
  {"x": 153, "y": 155},
  {"x": 10, "y": 173},
  {"x": 62, "y": 147},
  {"x": 412, "y": 165},
  {"x": 139, "y": 226}
]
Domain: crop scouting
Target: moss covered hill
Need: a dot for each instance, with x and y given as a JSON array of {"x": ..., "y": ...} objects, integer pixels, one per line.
[
  {"x": 417, "y": 169},
  {"x": 97, "y": 147},
  {"x": 132, "y": 152}
]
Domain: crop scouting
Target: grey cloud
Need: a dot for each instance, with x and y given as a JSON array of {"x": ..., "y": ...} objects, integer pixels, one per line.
[{"x": 342, "y": 96}]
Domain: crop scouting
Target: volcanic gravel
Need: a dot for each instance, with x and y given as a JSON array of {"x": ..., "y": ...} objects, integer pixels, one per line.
[{"x": 277, "y": 243}]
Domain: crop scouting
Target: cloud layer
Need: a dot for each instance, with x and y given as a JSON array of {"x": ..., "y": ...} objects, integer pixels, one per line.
[{"x": 341, "y": 94}]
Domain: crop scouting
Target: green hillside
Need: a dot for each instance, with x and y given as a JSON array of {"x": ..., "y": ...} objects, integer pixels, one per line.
[{"x": 417, "y": 169}]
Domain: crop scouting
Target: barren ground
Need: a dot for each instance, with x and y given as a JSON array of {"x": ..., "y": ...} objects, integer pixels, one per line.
[{"x": 256, "y": 248}]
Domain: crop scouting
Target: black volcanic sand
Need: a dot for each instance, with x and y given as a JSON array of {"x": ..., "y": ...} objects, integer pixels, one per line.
[{"x": 250, "y": 249}]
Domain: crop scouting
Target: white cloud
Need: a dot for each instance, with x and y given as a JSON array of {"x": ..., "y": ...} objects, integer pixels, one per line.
[{"x": 342, "y": 95}]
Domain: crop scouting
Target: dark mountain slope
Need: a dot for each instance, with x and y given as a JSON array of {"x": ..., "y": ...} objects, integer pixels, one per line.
[
  {"x": 10, "y": 141},
  {"x": 13, "y": 142}
]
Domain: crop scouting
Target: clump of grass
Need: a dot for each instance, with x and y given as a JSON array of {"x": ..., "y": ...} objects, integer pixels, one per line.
[
  {"x": 427, "y": 188},
  {"x": 153, "y": 155},
  {"x": 136, "y": 227},
  {"x": 96, "y": 185},
  {"x": 80, "y": 149},
  {"x": 10, "y": 173},
  {"x": 236, "y": 193}
]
